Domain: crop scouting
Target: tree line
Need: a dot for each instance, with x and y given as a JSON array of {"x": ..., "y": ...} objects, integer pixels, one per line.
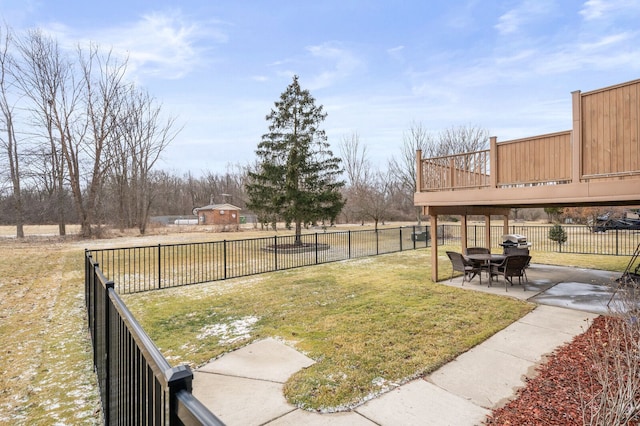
[{"x": 80, "y": 144}]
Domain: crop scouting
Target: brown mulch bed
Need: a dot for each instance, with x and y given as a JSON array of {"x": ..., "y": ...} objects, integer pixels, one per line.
[{"x": 558, "y": 393}]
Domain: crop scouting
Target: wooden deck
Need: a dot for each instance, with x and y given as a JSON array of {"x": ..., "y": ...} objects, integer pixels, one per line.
[{"x": 596, "y": 162}]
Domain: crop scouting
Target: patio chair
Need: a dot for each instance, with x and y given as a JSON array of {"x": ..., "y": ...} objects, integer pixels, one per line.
[
  {"x": 477, "y": 250},
  {"x": 510, "y": 267},
  {"x": 460, "y": 264}
]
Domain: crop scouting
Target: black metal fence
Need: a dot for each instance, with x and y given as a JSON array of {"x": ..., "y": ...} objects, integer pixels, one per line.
[
  {"x": 136, "y": 269},
  {"x": 137, "y": 384}
]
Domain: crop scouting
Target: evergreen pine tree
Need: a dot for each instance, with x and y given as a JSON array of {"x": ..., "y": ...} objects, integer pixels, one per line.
[
  {"x": 558, "y": 234},
  {"x": 297, "y": 177}
]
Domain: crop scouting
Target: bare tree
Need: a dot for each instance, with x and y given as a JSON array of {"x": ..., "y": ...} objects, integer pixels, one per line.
[
  {"x": 83, "y": 121},
  {"x": 355, "y": 159},
  {"x": 141, "y": 137},
  {"x": 8, "y": 140},
  {"x": 375, "y": 200},
  {"x": 458, "y": 140},
  {"x": 358, "y": 173},
  {"x": 103, "y": 92},
  {"x": 46, "y": 77},
  {"x": 370, "y": 193},
  {"x": 403, "y": 168}
]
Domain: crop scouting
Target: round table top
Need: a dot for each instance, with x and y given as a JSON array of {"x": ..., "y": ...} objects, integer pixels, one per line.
[{"x": 485, "y": 256}]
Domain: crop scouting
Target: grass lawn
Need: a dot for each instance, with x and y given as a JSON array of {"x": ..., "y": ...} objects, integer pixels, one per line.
[{"x": 367, "y": 323}]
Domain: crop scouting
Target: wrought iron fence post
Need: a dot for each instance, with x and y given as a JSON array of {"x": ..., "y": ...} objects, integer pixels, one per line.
[
  {"x": 178, "y": 379},
  {"x": 617, "y": 242},
  {"x": 377, "y": 242},
  {"x": 349, "y": 243},
  {"x": 316, "y": 248},
  {"x": 224, "y": 258},
  {"x": 107, "y": 351},
  {"x": 95, "y": 312},
  {"x": 87, "y": 283},
  {"x": 400, "y": 229},
  {"x": 275, "y": 252},
  {"x": 413, "y": 236},
  {"x": 159, "y": 266}
]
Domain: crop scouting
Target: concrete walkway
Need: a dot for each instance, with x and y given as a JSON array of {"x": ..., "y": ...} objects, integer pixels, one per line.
[{"x": 244, "y": 387}]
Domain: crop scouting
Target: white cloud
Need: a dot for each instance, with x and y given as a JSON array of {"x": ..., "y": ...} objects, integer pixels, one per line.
[
  {"x": 396, "y": 53},
  {"x": 529, "y": 10},
  {"x": 338, "y": 63},
  {"x": 395, "y": 50},
  {"x": 509, "y": 22},
  {"x": 163, "y": 44},
  {"x": 593, "y": 9},
  {"x": 607, "y": 42},
  {"x": 603, "y": 9}
]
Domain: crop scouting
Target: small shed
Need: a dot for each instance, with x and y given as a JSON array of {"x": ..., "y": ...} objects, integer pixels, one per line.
[{"x": 218, "y": 214}]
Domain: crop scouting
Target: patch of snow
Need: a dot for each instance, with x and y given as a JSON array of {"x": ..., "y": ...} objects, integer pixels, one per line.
[{"x": 231, "y": 332}]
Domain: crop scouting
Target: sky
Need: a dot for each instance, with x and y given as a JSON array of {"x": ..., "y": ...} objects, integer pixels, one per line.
[{"x": 378, "y": 68}]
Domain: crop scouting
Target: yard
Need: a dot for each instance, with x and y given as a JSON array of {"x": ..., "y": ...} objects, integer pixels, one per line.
[{"x": 370, "y": 321}]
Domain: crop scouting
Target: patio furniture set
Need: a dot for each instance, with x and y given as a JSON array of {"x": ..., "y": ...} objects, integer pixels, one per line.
[{"x": 478, "y": 260}]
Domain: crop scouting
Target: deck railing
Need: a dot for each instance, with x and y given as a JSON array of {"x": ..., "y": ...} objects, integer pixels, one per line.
[{"x": 464, "y": 171}]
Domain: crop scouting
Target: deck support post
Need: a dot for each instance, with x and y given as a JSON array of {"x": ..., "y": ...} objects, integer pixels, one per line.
[
  {"x": 463, "y": 232},
  {"x": 434, "y": 247},
  {"x": 576, "y": 137},
  {"x": 487, "y": 231}
]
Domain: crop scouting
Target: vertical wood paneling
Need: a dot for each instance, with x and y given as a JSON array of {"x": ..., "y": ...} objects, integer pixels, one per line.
[
  {"x": 535, "y": 160},
  {"x": 607, "y": 141},
  {"x": 634, "y": 121},
  {"x": 610, "y": 130}
]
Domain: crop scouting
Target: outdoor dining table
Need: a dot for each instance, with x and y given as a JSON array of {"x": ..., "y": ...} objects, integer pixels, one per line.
[{"x": 485, "y": 260}]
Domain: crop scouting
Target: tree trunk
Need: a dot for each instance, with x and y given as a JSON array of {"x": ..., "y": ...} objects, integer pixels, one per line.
[
  {"x": 19, "y": 214},
  {"x": 298, "y": 241},
  {"x": 62, "y": 221}
]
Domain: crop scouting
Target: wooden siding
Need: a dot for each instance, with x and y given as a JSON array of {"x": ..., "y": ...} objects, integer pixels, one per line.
[
  {"x": 533, "y": 161},
  {"x": 610, "y": 130}
]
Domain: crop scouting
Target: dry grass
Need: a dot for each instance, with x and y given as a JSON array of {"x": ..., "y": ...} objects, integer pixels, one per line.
[{"x": 46, "y": 372}]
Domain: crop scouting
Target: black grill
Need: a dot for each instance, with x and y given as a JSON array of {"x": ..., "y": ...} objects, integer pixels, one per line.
[{"x": 515, "y": 244}]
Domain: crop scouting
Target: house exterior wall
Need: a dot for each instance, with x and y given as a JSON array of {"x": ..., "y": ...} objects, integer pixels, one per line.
[{"x": 218, "y": 217}]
